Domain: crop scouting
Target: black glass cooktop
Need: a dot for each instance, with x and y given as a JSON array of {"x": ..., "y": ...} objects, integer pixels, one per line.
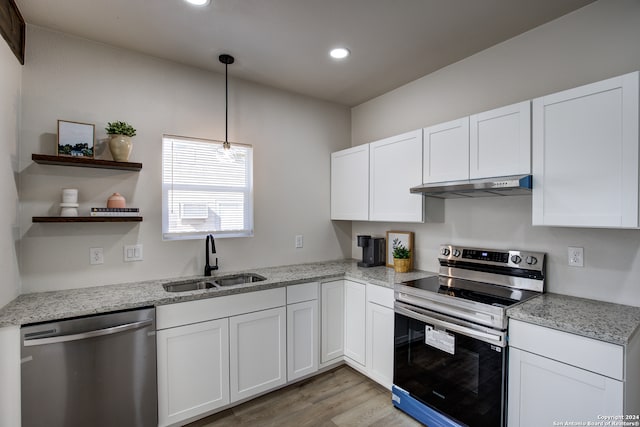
[{"x": 484, "y": 293}]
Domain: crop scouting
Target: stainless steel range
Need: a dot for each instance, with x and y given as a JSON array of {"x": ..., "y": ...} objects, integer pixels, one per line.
[{"x": 450, "y": 358}]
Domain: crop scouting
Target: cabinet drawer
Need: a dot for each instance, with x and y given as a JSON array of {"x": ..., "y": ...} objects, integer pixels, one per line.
[
  {"x": 586, "y": 353},
  {"x": 380, "y": 295},
  {"x": 184, "y": 313},
  {"x": 302, "y": 292}
]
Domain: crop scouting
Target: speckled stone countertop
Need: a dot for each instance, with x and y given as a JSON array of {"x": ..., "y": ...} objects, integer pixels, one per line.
[
  {"x": 604, "y": 321},
  {"x": 47, "y": 306}
]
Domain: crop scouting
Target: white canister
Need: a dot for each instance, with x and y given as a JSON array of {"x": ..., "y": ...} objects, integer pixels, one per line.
[
  {"x": 70, "y": 195},
  {"x": 69, "y": 212}
]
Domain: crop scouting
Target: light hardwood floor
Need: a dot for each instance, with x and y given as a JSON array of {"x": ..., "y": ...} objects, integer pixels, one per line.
[{"x": 339, "y": 398}]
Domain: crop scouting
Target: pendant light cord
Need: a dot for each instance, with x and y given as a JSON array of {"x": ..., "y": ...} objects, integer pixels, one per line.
[
  {"x": 226, "y": 103},
  {"x": 226, "y": 60}
]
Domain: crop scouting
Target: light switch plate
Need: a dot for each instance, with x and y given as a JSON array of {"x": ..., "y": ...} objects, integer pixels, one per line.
[
  {"x": 299, "y": 241},
  {"x": 132, "y": 253}
]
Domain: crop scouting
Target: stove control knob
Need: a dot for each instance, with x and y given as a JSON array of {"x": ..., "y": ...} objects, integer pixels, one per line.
[
  {"x": 516, "y": 259},
  {"x": 456, "y": 252},
  {"x": 531, "y": 260},
  {"x": 445, "y": 251}
]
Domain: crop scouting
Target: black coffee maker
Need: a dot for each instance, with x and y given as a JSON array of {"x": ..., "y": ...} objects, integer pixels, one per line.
[{"x": 373, "y": 251}]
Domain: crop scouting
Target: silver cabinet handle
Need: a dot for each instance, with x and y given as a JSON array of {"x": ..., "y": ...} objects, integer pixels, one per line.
[
  {"x": 84, "y": 335},
  {"x": 483, "y": 336}
]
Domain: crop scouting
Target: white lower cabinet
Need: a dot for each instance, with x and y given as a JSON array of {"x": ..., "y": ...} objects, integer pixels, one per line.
[
  {"x": 302, "y": 339},
  {"x": 355, "y": 303},
  {"x": 379, "y": 336},
  {"x": 193, "y": 370},
  {"x": 332, "y": 321},
  {"x": 558, "y": 377},
  {"x": 543, "y": 391},
  {"x": 257, "y": 352},
  {"x": 302, "y": 330}
]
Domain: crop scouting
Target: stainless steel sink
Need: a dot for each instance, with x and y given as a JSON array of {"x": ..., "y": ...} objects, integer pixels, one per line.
[
  {"x": 213, "y": 282},
  {"x": 238, "y": 279},
  {"x": 191, "y": 285}
]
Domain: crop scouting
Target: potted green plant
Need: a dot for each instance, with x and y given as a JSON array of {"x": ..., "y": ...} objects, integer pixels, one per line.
[
  {"x": 401, "y": 257},
  {"x": 120, "y": 143}
]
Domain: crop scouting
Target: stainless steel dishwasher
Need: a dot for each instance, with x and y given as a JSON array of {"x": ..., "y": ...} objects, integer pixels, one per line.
[{"x": 94, "y": 371}]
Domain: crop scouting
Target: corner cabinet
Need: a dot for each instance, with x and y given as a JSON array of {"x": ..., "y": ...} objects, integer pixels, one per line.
[
  {"x": 355, "y": 310},
  {"x": 350, "y": 183},
  {"x": 332, "y": 323},
  {"x": 585, "y": 155},
  {"x": 395, "y": 165}
]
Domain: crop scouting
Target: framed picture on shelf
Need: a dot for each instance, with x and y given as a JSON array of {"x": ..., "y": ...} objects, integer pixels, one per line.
[
  {"x": 76, "y": 139},
  {"x": 404, "y": 238}
]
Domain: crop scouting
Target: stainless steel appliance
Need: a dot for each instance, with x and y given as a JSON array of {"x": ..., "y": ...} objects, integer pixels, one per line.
[
  {"x": 450, "y": 356},
  {"x": 373, "y": 250},
  {"x": 97, "y": 371},
  {"x": 517, "y": 185}
]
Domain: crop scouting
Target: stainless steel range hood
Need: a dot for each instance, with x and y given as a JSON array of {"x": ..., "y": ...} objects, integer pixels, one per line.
[{"x": 517, "y": 185}]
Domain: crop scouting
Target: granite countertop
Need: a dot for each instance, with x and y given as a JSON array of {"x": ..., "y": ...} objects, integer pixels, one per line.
[
  {"x": 55, "y": 305},
  {"x": 604, "y": 321}
]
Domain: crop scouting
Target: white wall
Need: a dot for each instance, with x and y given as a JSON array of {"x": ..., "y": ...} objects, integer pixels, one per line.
[
  {"x": 593, "y": 43},
  {"x": 10, "y": 84},
  {"x": 75, "y": 79}
]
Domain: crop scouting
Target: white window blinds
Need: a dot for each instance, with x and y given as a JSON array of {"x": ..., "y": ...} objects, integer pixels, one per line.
[{"x": 206, "y": 189}]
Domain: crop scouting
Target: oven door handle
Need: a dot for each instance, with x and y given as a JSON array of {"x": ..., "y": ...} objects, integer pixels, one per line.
[{"x": 483, "y": 336}]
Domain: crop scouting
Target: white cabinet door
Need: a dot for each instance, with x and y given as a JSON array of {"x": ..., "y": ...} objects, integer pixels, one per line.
[
  {"x": 446, "y": 151},
  {"x": 380, "y": 343},
  {"x": 193, "y": 370},
  {"x": 332, "y": 330},
  {"x": 355, "y": 303},
  {"x": 543, "y": 391},
  {"x": 395, "y": 167},
  {"x": 585, "y": 155},
  {"x": 258, "y": 345},
  {"x": 350, "y": 183},
  {"x": 500, "y": 141},
  {"x": 302, "y": 339}
]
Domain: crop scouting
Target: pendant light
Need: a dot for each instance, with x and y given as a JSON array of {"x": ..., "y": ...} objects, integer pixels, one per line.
[{"x": 227, "y": 152}]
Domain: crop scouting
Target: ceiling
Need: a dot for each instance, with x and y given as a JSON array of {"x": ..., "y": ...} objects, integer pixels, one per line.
[{"x": 285, "y": 43}]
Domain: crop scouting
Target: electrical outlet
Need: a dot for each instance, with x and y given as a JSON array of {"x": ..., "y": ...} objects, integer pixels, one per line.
[
  {"x": 576, "y": 256},
  {"x": 96, "y": 256},
  {"x": 132, "y": 253},
  {"x": 299, "y": 241}
]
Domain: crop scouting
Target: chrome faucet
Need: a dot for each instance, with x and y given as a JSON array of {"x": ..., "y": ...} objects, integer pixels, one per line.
[{"x": 208, "y": 268}]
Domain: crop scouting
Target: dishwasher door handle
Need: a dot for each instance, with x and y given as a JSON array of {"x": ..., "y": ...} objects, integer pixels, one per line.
[{"x": 90, "y": 334}]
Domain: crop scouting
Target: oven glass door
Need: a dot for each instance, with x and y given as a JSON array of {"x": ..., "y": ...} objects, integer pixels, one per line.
[{"x": 459, "y": 376}]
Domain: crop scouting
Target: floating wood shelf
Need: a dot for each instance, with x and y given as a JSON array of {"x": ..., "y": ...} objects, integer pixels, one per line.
[
  {"x": 45, "y": 159},
  {"x": 87, "y": 219}
]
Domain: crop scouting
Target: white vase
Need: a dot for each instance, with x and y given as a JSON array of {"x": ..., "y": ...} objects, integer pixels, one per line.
[{"x": 120, "y": 147}]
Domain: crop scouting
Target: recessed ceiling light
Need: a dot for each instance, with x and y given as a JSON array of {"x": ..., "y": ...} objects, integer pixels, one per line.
[
  {"x": 339, "y": 53},
  {"x": 198, "y": 2}
]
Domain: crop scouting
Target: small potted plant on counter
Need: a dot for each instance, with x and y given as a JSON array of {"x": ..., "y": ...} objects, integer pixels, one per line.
[
  {"x": 120, "y": 144},
  {"x": 401, "y": 257}
]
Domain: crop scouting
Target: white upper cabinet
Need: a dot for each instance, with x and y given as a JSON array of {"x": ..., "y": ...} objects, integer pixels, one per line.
[
  {"x": 585, "y": 155},
  {"x": 446, "y": 151},
  {"x": 350, "y": 183},
  {"x": 396, "y": 166},
  {"x": 500, "y": 141}
]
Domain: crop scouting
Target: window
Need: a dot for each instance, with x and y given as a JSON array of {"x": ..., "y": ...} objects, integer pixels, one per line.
[{"x": 206, "y": 189}]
